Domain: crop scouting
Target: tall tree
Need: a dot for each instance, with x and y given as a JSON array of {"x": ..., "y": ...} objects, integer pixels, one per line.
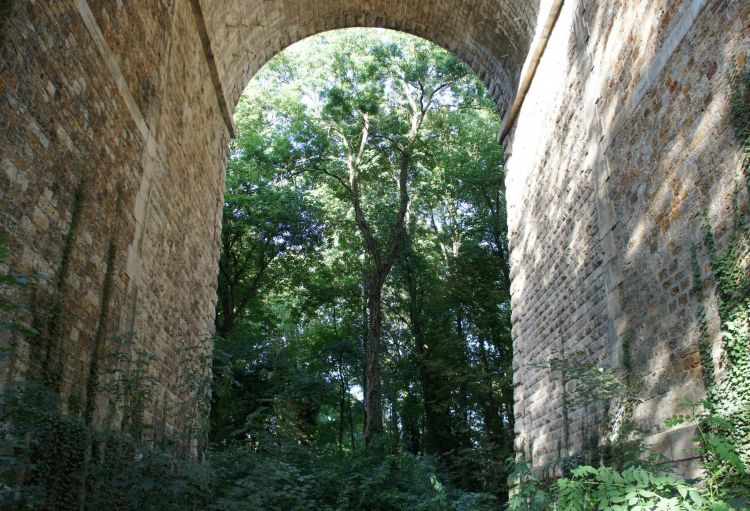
[
  {"x": 266, "y": 216},
  {"x": 375, "y": 106},
  {"x": 389, "y": 147}
]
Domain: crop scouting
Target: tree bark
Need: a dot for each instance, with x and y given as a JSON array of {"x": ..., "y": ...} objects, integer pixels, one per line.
[
  {"x": 381, "y": 268},
  {"x": 463, "y": 398},
  {"x": 373, "y": 392},
  {"x": 417, "y": 331},
  {"x": 342, "y": 408}
]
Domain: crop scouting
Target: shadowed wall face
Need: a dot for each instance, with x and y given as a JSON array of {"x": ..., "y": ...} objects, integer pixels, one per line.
[{"x": 115, "y": 118}]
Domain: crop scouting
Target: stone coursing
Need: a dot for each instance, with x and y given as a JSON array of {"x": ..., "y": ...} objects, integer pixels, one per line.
[
  {"x": 113, "y": 144},
  {"x": 492, "y": 37},
  {"x": 149, "y": 167},
  {"x": 613, "y": 164}
]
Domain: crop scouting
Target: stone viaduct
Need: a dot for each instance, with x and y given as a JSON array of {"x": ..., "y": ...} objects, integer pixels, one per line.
[{"x": 115, "y": 117}]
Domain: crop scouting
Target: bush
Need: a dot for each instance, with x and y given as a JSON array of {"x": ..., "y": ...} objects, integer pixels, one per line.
[{"x": 302, "y": 478}]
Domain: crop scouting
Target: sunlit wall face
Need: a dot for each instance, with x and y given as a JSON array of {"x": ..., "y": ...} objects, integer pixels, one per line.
[{"x": 621, "y": 146}]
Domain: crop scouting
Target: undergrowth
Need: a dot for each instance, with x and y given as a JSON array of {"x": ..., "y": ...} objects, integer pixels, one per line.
[{"x": 53, "y": 458}]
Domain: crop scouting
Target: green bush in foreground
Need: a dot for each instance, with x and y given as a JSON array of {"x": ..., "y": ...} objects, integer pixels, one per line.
[{"x": 723, "y": 486}]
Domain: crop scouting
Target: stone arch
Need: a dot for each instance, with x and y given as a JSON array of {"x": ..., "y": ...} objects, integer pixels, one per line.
[
  {"x": 493, "y": 38},
  {"x": 114, "y": 123}
]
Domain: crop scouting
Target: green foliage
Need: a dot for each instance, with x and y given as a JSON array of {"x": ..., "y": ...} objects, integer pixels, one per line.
[
  {"x": 606, "y": 489},
  {"x": 267, "y": 222},
  {"x": 724, "y": 422},
  {"x": 286, "y": 414},
  {"x": 290, "y": 371},
  {"x": 594, "y": 389},
  {"x": 527, "y": 491},
  {"x": 57, "y": 460},
  {"x": 589, "y": 382},
  {"x": 298, "y": 479},
  {"x": 739, "y": 100},
  {"x": 54, "y": 460},
  {"x": 725, "y": 475},
  {"x": 634, "y": 488}
]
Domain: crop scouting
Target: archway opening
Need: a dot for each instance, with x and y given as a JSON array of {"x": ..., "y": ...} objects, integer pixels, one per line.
[
  {"x": 114, "y": 126},
  {"x": 364, "y": 296}
]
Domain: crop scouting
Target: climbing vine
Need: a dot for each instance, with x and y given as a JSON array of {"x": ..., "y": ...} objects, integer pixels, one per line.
[
  {"x": 722, "y": 420},
  {"x": 57, "y": 459},
  {"x": 588, "y": 391},
  {"x": 728, "y": 386},
  {"x": 47, "y": 308}
]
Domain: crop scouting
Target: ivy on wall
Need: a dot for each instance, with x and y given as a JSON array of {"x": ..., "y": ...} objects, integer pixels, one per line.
[
  {"x": 51, "y": 458},
  {"x": 728, "y": 388},
  {"x": 620, "y": 478}
]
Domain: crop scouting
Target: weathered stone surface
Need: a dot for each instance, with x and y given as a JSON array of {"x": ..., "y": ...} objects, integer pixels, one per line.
[
  {"x": 613, "y": 163},
  {"x": 114, "y": 119}
]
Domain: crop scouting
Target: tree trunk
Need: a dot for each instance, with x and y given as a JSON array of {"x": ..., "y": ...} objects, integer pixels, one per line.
[
  {"x": 490, "y": 409},
  {"x": 381, "y": 267},
  {"x": 351, "y": 420},
  {"x": 226, "y": 326},
  {"x": 342, "y": 404},
  {"x": 395, "y": 433},
  {"x": 373, "y": 392},
  {"x": 363, "y": 347},
  {"x": 463, "y": 398},
  {"x": 429, "y": 395}
]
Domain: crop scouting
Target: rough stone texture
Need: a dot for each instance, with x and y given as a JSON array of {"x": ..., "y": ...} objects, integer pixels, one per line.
[
  {"x": 620, "y": 146},
  {"x": 491, "y": 36},
  {"x": 613, "y": 164},
  {"x": 66, "y": 120}
]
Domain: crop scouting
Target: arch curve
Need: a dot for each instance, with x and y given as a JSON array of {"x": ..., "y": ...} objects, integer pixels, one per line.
[{"x": 492, "y": 37}]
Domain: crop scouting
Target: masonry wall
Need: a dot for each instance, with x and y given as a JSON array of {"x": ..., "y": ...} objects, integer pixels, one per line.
[
  {"x": 612, "y": 166},
  {"x": 114, "y": 123},
  {"x": 112, "y": 151},
  {"x": 115, "y": 119},
  {"x": 492, "y": 37}
]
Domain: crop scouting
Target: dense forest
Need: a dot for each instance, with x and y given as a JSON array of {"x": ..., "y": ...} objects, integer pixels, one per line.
[{"x": 364, "y": 305}]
